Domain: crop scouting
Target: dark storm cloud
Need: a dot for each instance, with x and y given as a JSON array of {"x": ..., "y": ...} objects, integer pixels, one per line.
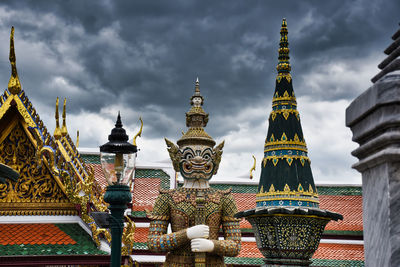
[{"x": 142, "y": 53}]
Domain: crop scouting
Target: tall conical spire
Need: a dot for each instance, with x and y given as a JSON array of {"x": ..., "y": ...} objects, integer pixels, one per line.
[
  {"x": 196, "y": 120},
  {"x": 286, "y": 177},
  {"x": 14, "y": 85},
  {"x": 64, "y": 130},
  {"x": 287, "y": 221},
  {"x": 57, "y": 130}
]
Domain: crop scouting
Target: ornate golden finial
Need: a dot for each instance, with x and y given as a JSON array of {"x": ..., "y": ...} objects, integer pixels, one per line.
[
  {"x": 139, "y": 133},
  {"x": 283, "y": 66},
  {"x": 57, "y": 131},
  {"x": 253, "y": 168},
  {"x": 197, "y": 87},
  {"x": 64, "y": 115},
  {"x": 77, "y": 139},
  {"x": 14, "y": 86}
]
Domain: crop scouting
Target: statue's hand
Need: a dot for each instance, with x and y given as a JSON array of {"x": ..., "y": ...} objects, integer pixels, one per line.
[
  {"x": 198, "y": 231},
  {"x": 202, "y": 245}
]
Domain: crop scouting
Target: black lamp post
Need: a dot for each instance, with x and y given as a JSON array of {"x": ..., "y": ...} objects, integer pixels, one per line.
[{"x": 118, "y": 163}]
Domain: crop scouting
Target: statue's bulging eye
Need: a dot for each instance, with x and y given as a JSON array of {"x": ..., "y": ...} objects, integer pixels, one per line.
[{"x": 187, "y": 166}]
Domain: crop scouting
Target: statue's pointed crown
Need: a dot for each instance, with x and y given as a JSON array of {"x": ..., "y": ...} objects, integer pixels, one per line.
[{"x": 196, "y": 120}]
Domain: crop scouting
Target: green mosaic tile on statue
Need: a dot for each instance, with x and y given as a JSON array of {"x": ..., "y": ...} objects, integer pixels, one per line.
[{"x": 84, "y": 245}]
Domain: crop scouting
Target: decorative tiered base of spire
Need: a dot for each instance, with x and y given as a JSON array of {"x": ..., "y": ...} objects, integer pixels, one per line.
[{"x": 286, "y": 235}]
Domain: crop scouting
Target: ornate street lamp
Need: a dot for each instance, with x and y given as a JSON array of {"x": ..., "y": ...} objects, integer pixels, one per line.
[{"x": 118, "y": 163}]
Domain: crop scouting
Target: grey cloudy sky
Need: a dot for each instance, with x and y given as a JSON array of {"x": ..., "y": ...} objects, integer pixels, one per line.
[{"x": 142, "y": 58}]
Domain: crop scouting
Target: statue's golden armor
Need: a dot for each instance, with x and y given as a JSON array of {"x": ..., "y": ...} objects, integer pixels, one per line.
[{"x": 178, "y": 207}]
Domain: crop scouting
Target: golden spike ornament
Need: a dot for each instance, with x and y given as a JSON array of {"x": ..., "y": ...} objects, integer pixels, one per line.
[
  {"x": 64, "y": 130},
  {"x": 253, "y": 168},
  {"x": 77, "y": 139},
  {"x": 14, "y": 85},
  {"x": 57, "y": 131},
  {"x": 139, "y": 133}
]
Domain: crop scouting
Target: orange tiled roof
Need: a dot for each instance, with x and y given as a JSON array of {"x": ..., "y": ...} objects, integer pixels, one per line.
[
  {"x": 349, "y": 206},
  {"x": 98, "y": 174},
  {"x": 339, "y": 252},
  {"x": 141, "y": 234},
  {"x": 145, "y": 192},
  {"x": 33, "y": 234},
  {"x": 245, "y": 201},
  {"x": 325, "y": 251},
  {"x": 250, "y": 250}
]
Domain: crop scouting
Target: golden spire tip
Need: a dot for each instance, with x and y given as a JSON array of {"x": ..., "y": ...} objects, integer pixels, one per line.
[
  {"x": 64, "y": 130},
  {"x": 57, "y": 131},
  {"x": 77, "y": 139},
  {"x": 283, "y": 66},
  {"x": 14, "y": 85}
]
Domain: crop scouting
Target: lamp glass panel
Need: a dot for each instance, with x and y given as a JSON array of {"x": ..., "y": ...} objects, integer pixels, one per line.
[{"x": 117, "y": 167}]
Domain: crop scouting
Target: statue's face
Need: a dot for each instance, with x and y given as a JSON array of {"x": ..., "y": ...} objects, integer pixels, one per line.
[
  {"x": 197, "y": 162},
  {"x": 197, "y": 101}
]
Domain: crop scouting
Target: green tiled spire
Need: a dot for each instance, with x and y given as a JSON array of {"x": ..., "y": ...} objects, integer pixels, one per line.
[{"x": 286, "y": 177}]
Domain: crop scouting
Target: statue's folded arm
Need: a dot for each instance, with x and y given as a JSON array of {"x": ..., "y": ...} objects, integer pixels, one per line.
[
  {"x": 229, "y": 247},
  {"x": 158, "y": 240}
]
